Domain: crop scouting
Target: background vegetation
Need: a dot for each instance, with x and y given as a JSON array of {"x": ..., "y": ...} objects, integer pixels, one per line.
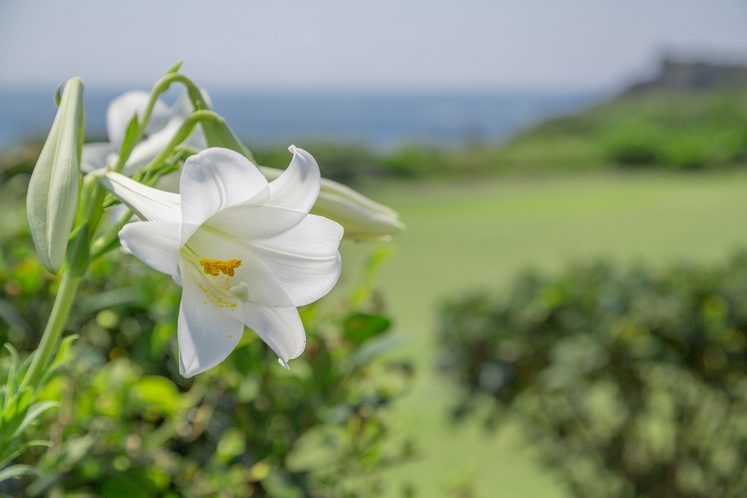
[
  {"x": 631, "y": 384},
  {"x": 130, "y": 426},
  {"x": 671, "y": 130},
  {"x": 572, "y": 188}
]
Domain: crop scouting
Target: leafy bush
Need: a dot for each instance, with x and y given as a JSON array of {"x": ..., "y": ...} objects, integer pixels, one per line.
[
  {"x": 679, "y": 130},
  {"x": 245, "y": 428},
  {"x": 633, "y": 143},
  {"x": 630, "y": 383}
]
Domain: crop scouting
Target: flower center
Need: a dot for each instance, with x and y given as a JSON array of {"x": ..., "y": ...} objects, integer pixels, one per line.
[{"x": 215, "y": 267}]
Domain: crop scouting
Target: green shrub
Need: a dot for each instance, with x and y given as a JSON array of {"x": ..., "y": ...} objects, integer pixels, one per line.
[
  {"x": 245, "y": 428},
  {"x": 630, "y": 383},
  {"x": 633, "y": 142}
]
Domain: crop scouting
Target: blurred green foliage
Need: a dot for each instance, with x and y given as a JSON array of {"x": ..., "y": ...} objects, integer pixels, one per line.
[
  {"x": 698, "y": 129},
  {"x": 129, "y": 425},
  {"x": 680, "y": 130},
  {"x": 630, "y": 383}
]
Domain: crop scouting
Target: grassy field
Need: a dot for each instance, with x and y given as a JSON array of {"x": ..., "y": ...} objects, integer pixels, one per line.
[{"x": 464, "y": 234}]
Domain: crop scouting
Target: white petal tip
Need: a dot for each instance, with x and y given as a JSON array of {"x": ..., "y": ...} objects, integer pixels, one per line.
[
  {"x": 292, "y": 149},
  {"x": 188, "y": 374},
  {"x": 283, "y": 364}
]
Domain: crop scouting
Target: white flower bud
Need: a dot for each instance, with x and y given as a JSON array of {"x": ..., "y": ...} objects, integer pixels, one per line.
[
  {"x": 52, "y": 197},
  {"x": 362, "y": 218}
]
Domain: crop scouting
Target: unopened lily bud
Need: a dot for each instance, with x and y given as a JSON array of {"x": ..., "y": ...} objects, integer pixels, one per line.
[
  {"x": 52, "y": 197},
  {"x": 362, "y": 218}
]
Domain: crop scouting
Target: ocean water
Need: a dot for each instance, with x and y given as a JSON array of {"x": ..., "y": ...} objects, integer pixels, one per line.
[{"x": 378, "y": 120}]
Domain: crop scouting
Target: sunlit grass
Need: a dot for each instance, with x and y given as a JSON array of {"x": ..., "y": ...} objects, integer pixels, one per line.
[{"x": 481, "y": 233}]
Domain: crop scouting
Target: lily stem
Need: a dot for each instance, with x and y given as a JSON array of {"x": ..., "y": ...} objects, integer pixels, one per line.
[{"x": 53, "y": 331}]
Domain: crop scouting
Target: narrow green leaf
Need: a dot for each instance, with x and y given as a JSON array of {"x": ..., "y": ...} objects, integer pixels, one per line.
[
  {"x": 60, "y": 359},
  {"x": 17, "y": 471},
  {"x": 10, "y": 385},
  {"x": 175, "y": 68},
  {"x": 32, "y": 414},
  {"x": 52, "y": 196},
  {"x": 7, "y": 454},
  {"x": 14, "y": 412},
  {"x": 128, "y": 142},
  {"x": 62, "y": 356}
]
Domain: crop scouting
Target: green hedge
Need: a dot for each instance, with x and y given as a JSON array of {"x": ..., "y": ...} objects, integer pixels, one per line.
[
  {"x": 130, "y": 426},
  {"x": 631, "y": 383}
]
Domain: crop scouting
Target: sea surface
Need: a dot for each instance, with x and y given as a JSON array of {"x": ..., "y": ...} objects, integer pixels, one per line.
[{"x": 378, "y": 120}]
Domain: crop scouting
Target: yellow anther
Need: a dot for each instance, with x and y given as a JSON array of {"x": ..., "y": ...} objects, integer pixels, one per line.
[{"x": 215, "y": 266}]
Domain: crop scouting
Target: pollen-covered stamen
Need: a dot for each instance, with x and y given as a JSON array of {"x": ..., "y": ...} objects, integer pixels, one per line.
[{"x": 215, "y": 267}]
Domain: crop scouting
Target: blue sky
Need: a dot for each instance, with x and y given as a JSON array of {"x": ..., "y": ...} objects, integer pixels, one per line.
[{"x": 372, "y": 45}]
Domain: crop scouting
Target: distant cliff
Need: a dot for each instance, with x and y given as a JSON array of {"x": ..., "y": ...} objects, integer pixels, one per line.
[{"x": 678, "y": 76}]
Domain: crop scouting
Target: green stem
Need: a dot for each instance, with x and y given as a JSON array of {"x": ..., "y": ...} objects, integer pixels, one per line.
[
  {"x": 96, "y": 209},
  {"x": 184, "y": 131},
  {"x": 53, "y": 332},
  {"x": 106, "y": 242},
  {"x": 161, "y": 86}
]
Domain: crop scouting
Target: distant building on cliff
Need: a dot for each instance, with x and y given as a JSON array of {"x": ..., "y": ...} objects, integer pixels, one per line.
[{"x": 678, "y": 76}]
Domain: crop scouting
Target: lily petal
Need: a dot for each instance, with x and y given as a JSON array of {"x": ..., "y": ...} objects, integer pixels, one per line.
[
  {"x": 148, "y": 149},
  {"x": 120, "y": 112},
  {"x": 148, "y": 203},
  {"x": 206, "y": 333},
  {"x": 280, "y": 328},
  {"x": 254, "y": 222},
  {"x": 95, "y": 156},
  {"x": 298, "y": 186},
  {"x": 213, "y": 180},
  {"x": 155, "y": 243},
  {"x": 262, "y": 285},
  {"x": 306, "y": 271},
  {"x": 278, "y": 271}
]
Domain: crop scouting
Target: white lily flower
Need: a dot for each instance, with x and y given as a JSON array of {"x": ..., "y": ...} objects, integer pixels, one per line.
[
  {"x": 163, "y": 125},
  {"x": 245, "y": 251}
]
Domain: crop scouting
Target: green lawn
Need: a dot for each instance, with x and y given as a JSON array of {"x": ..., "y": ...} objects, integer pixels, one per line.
[{"x": 481, "y": 233}]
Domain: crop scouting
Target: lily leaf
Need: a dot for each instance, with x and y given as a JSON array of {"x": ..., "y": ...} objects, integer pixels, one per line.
[
  {"x": 60, "y": 359},
  {"x": 32, "y": 414},
  {"x": 175, "y": 68},
  {"x": 7, "y": 454},
  {"x": 17, "y": 471}
]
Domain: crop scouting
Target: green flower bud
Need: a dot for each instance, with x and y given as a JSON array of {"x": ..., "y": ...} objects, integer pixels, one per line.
[{"x": 52, "y": 197}]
